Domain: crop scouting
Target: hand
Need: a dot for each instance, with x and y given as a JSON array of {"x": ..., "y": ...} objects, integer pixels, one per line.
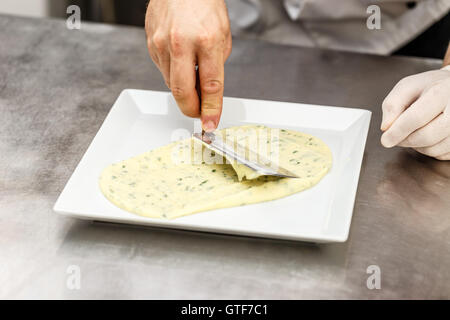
[
  {"x": 182, "y": 34},
  {"x": 416, "y": 114}
]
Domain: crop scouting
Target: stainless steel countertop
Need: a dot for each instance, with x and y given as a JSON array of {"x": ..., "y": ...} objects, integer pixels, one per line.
[{"x": 56, "y": 87}]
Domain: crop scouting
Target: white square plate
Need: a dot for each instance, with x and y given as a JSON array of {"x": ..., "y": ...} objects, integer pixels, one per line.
[{"x": 143, "y": 120}]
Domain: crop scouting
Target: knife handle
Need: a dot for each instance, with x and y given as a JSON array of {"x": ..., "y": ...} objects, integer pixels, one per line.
[
  {"x": 199, "y": 93},
  {"x": 197, "y": 87}
]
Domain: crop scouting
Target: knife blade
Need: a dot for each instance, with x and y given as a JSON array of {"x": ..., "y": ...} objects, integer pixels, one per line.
[{"x": 263, "y": 166}]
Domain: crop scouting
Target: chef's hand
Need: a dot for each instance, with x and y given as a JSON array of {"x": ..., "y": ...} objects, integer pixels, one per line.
[
  {"x": 416, "y": 114},
  {"x": 182, "y": 34}
]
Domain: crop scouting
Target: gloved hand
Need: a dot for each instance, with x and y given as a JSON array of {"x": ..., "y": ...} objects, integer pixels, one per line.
[
  {"x": 182, "y": 34},
  {"x": 416, "y": 114}
]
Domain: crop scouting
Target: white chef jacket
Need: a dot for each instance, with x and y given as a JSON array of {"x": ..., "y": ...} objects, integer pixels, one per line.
[{"x": 334, "y": 24}]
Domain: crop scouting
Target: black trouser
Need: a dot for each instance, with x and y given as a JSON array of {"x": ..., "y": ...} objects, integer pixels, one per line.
[{"x": 432, "y": 43}]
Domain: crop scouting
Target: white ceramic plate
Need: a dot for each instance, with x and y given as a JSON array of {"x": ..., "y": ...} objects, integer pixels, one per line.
[{"x": 143, "y": 120}]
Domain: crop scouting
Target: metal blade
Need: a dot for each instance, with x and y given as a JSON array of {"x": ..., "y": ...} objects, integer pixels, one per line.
[{"x": 215, "y": 143}]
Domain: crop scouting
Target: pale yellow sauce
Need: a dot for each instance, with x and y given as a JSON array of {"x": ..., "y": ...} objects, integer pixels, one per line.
[{"x": 154, "y": 185}]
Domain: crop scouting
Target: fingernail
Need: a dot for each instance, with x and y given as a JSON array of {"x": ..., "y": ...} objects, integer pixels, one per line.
[
  {"x": 383, "y": 123},
  {"x": 209, "y": 126},
  {"x": 385, "y": 141},
  {"x": 384, "y": 126}
]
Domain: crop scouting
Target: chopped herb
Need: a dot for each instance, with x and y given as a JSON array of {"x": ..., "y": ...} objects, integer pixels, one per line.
[
  {"x": 203, "y": 182},
  {"x": 213, "y": 170}
]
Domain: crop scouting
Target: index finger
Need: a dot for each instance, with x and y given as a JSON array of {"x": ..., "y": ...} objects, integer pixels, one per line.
[
  {"x": 404, "y": 93},
  {"x": 211, "y": 74}
]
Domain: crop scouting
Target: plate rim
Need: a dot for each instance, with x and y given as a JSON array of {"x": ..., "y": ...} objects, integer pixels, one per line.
[{"x": 59, "y": 208}]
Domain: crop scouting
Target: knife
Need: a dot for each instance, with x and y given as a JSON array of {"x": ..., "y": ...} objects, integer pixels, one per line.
[{"x": 215, "y": 143}]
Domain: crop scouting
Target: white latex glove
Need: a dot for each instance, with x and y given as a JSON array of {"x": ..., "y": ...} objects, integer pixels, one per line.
[{"x": 416, "y": 114}]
